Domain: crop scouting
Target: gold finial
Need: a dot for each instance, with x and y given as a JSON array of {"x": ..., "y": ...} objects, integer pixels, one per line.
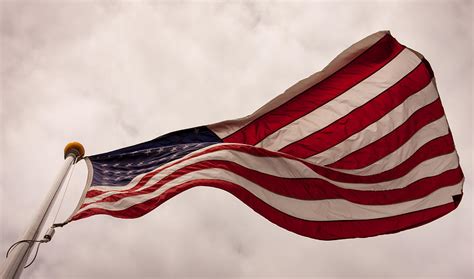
[{"x": 75, "y": 149}]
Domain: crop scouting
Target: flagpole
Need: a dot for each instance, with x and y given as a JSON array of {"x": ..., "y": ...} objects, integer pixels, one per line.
[{"x": 16, "y": 260}]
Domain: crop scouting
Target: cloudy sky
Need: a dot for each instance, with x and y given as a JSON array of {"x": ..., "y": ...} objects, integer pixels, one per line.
[{"x": 111, "y": 74}]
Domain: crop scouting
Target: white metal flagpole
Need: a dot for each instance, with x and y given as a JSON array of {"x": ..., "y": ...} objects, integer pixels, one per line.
[{"x": 16, "y": 260}]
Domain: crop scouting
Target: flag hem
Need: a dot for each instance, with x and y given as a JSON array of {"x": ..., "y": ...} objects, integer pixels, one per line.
[{"x": 90, "y": 174}]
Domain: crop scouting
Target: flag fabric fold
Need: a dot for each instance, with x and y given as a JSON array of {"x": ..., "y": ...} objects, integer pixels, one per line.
[{"x": 360, "y": 149}]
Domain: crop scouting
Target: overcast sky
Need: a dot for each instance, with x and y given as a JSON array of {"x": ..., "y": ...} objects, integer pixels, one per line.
[{"x": 110, "y": 75}]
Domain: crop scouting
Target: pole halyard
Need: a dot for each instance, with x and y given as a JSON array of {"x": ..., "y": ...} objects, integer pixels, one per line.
[{"x": 15, "y": 262}]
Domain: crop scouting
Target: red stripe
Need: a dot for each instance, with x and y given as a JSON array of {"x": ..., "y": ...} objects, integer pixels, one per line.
[
  {"x": 93, "y": 193},
  {"x": 434, "y": 148},
  {"x": 217, "y": 147},
  {"x": 325, "y": 230},
  {"x": 437, "y": 147},
  {"x": 392, "y": 141},
  {"x": 353, "y": 73},
  {"x": 313, "y": 188},
  {"x": 309, "y": 188},
  {"x": 362, "y": 116}
]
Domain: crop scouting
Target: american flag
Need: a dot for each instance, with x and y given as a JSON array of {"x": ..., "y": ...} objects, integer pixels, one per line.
[{"x": 360, "y": 149}]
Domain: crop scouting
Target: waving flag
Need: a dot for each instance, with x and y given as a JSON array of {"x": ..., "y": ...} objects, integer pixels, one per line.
[{"x": 360, "y": 149}]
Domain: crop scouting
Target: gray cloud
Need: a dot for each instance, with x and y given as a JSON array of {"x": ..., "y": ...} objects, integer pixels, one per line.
[{"x": 112, "y": 74}]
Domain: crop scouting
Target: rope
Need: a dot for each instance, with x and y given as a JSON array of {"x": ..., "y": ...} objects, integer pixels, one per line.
[
  {"x": 36, "y": 254},
  {"x": 49, "y": 234},
  {"x": 29, "y": 241},
  {"x": 65, "y": 190},
  {"x": 18, "y": 242}
]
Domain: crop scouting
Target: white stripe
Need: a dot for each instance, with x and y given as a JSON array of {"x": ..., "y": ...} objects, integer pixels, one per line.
[
  {"x": 429, "y": 132},
  {"x": 290, "y": 168},
  {"x": 428, "y": 168},
  {"x": 340, "y": 106},
  {"x": 377, "y": 130},
  {"x": 114, "y": 188},
  {"x": 226, "y": 128},
  {"x": 312, "y": 210}
]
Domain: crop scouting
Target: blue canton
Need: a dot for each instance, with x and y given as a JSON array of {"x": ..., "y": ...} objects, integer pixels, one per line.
[{"x": 119, "y": 167}]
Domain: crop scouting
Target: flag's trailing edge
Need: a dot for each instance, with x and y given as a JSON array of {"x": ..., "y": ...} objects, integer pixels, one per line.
[{"x": 360, "y": 149}]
